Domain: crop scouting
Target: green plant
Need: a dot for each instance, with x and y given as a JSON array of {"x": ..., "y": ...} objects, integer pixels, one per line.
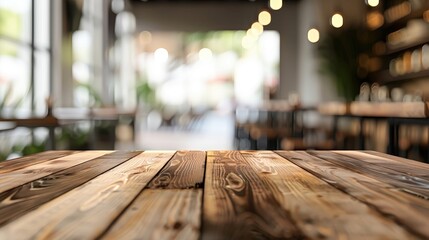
[
  {"x": 338, "y": 52},
  {"x": 97, "y": 101},
  {"x": 146, "y": 93},
  {"x": 74, "y": 138}
]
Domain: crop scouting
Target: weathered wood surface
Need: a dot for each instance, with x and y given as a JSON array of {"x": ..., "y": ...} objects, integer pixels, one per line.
[
  {"x": 418, "y": 186},
  {"x": 318, "y": 209},
  {"x": 17, "y": 201},
  {"x": 30, "y": 173},
  {"x": 87, "y": 211},
  {"x": 184, "y": 170},
  {"x": 410, "y": 211},
  {"x": 412, "y": 167},
  {"x": 14, "y": 164},
  {"x": 214, "y": 195},
  {"x": 161, "y": 214},
  {"x": 239, "y": 205}
]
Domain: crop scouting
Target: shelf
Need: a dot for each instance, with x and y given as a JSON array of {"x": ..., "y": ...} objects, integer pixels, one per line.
[
  {"x": 418, "y": 43},
  {"x": 384, "y": 77},
  {"x": 402, "y": 22}
]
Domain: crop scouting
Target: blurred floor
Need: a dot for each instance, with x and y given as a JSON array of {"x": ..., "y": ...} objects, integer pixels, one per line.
[{"x": 214, "y": 131}]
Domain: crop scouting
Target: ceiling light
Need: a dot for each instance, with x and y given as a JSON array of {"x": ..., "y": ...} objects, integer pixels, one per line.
[
  {"x": 372, "y": 3},
  {"x": 276, "y": 4},
  {"x": 264, "y": 18},
  {"x": 161, "y": 55},
  {"x": 257, "y": 28},
  {"x": 337, "y": 20},
  {"x": 205, "y": 54},
  {"x": 313, "y": 35}
]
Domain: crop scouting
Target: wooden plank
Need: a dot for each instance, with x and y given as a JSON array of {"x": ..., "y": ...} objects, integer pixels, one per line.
[
  {"x": 410, "y": 167},
  {"x": 417, "y": 166},
  {"x": 410, "y": 211},
  {"x": 184, "y": 170},
  {"x": 161, "y": 214},
  {"x": 418, "y": 186},
  {"x": 87, "y": 211},
  {"x": 15, "y": 164},
  {"x": 30, "y": 173},
  {"x": 238, "y": 204},
  {"x": 318, "y": 209},
  {"x": 18, "y": 201}
]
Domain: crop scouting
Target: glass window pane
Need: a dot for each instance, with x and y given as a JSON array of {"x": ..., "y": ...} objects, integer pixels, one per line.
[
  {"x": 41, "y": 23},
  {"x": 41, "y": 82},
  {"x": 15, "y": 76},
  {"x": 15, "y": 19}
]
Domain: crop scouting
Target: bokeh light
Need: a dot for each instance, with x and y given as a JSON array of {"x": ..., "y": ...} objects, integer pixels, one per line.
[
  {"x": 337, "y": 20},
  {"x": 373, "y": 3},
  {"x": 161, "y": 55},
  {"x": 264, "y": 18},
  {"x": 276, "y": 4},
  {"x": 313, "y": 35},
  {"x": 205, "y": 54},
  {"x": 257, "y": 28}
]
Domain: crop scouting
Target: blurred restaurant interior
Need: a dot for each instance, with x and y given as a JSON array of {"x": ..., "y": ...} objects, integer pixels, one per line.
[{"x": 214, "y": 74}]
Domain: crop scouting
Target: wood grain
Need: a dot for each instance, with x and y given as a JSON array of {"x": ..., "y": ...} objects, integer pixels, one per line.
[
  {"x": 30, "y": 173},
  {"x": 238, "y": 204},
  {"x": 410, "y": 211},
  {"x": 161, "y": 214},
  {"x": 15, "y": 164},
  {"x": 418, "y": 186},
  {"x": 18, "y": 201},
  {"x": 318, "y": 209},
  {"x": 184, "y": 170},
  {"x": 87, "y": 211},
  {"x": 413, "y": 166}
]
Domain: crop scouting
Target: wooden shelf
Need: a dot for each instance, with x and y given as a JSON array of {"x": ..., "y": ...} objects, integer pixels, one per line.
[
  {"x": 418, "y": 43},
  {"x": 402, "y": 22},
  {"x": 385, "y": 77}
]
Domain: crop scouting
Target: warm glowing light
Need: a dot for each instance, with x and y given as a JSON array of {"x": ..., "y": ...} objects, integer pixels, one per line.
[
  {"x": 373, "y": 3},
  {"x": 205, "y": 54},
  {"x": 257, "y": 28},
  {"x": 248, "y": 41},
  {"x": 276, "y": 4},
  {"x": 313, "y": 35},
  {"x": 426, "y": 15},
  {"x": 264, "y": 18},
  {"x": 337, "y": 20},
  {"x": 250, "y": 32},
  {"x": 161, "y": 55},
  {"x": 374, "y": 20}
]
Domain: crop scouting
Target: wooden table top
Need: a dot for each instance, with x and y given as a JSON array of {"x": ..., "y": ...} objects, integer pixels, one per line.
[{"x": 214, "y": 195}]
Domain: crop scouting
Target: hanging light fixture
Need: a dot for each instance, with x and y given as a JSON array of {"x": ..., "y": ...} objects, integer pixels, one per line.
[
  {"x": 264, "y": 18},
  {"x": 313, "y": 35},
  {"x": 257, "y": 28},
  {"x": 372, "y": 3},
  {"x": 337, "y": 20},
  {"x": 276, "y": 4}
]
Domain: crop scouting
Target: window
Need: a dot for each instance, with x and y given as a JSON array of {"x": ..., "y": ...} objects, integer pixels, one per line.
[{"x": 24, "y": 56}]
